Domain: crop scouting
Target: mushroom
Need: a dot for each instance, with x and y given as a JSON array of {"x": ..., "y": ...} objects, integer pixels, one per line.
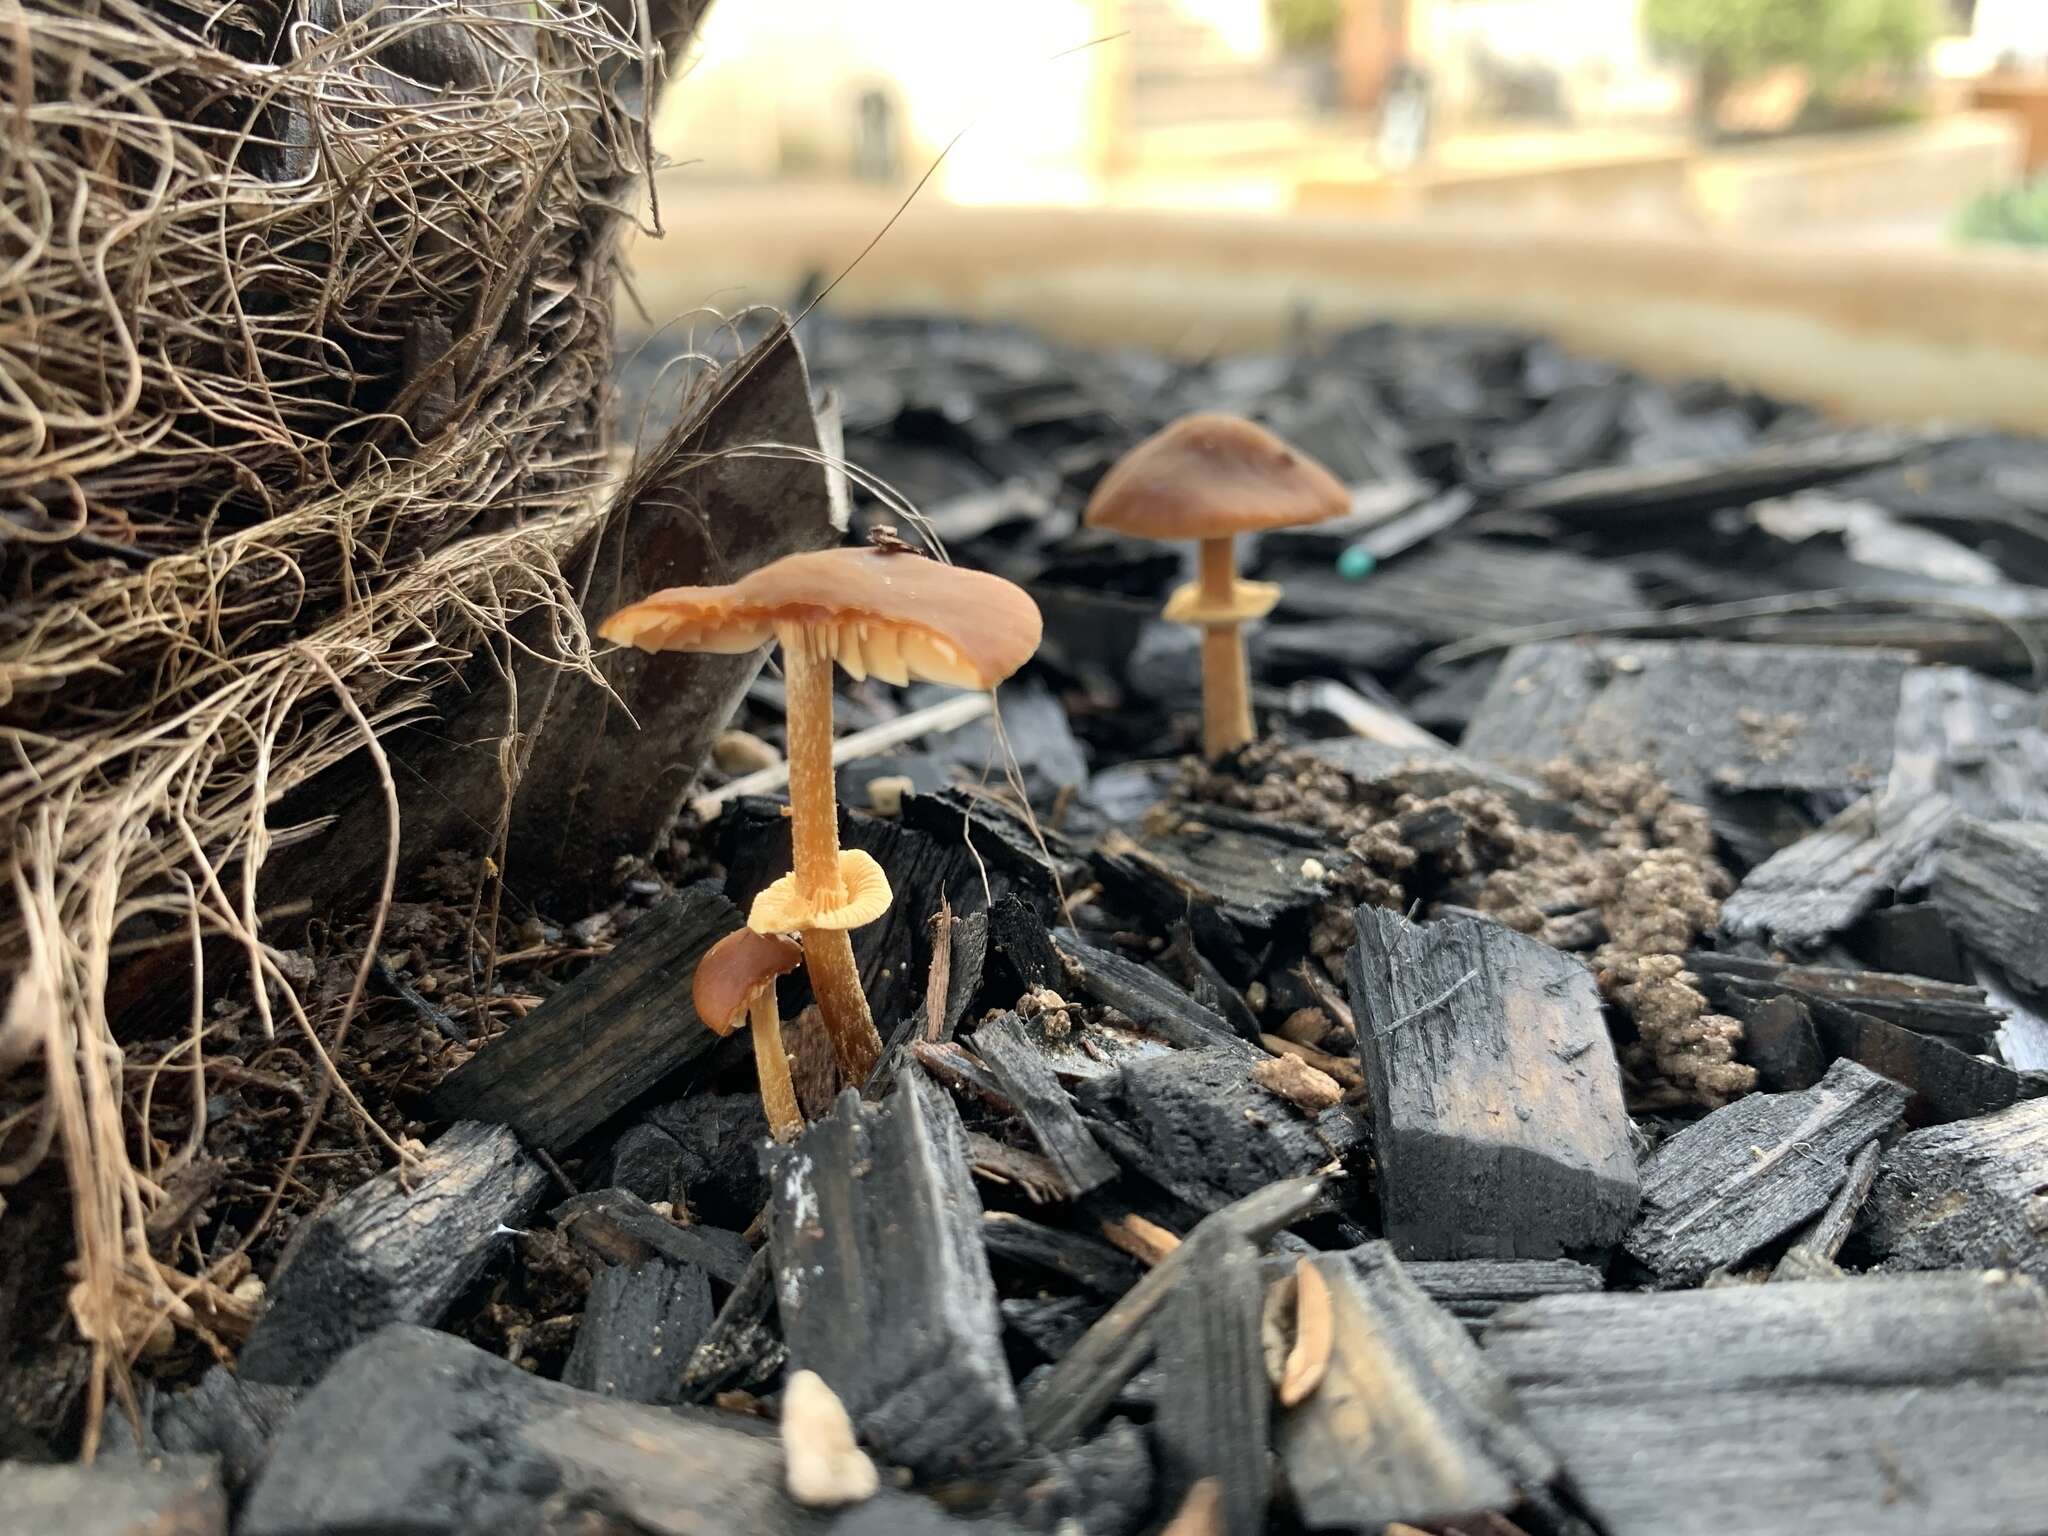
[
  {"x": 893, "y": 614},
  {"x": 735, "y": 985},
  {"x": 1210, "y": 477}
]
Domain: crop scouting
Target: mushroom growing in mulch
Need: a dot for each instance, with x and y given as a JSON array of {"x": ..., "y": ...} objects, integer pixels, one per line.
[
  {"x": 734, "y": 986},
  {"x": 1210, "y": 477},
  {"x": 888, "y": 612}
]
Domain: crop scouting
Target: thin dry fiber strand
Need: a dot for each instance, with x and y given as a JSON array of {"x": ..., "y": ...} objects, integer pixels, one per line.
[{"x": 304, "y": 342}]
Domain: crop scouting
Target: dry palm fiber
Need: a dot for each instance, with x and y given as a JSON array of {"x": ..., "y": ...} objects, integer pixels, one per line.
[{"x": 304, "y": 340}]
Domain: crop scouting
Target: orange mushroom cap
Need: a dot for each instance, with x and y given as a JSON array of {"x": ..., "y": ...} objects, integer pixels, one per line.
[
  {"x": 1209, "y": 476},
  {"x": 732, "y": 973},
  {"x": 899, "y": 616}
]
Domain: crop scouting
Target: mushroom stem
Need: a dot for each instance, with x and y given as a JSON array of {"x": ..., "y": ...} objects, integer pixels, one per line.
[
  {"x": 771, "y": 1065},
  {"x": 814, "y": 847},
  {"x": 1226, "y": 679}
]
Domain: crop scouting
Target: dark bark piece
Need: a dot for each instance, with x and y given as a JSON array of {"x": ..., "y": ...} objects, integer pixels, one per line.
[
  {"x": 1710, "y": 716},
  {"x": 1032, "y": 864},
  {"x": 1812, "y": 1257},
  {"x": 1010, "y": 1048},
  {"x": 1974, "y": 739},
  {"x": 641, "y": 1324},
  {"x": 1972, "y": 1194},
  {"x": 1145, "y": 997},
  {"x": 612, "y": 1035},
  {"x": 742, "y": 1351},
  {"x": 1914, "y": 940},
  {"x": 1891, "y": 1406},
  {"x": 1496, "y": 1099},
  {"x": 705, "y": 1128},
  {"x": 608, "y": 767},
  {"x": 1752, "y": 1171},
  {"x": 421, "y": 1433},
  {"x": 884, "y": 1287},
  {"x": 1459, "y": 588},
  {"x": 1215, "y": 1401},
  {"x": 893, "y": 952},
  {"x": 1020, "y": 954},
  {"x": 1947, "y": 1083},
  {"x": 1992, "y": 885},
  {"x": 1912, "y": 1002},
  {"x": 1806, "y": 894},
  {"x": 1051, "y": 1326},
  {"x": 1088, "y": 1262},
  {"x": 1472, "y": 1290},
  {"x": 401, "y": 1248},
  {"x": 617, "y": 1227},
  {"x": 227, "y": 1416},
  {"x": 1683, "y": 490},
  {"x": 1410, "y": 1423},
  {"x": 1201, "y": 1127},
  {"x": 1105, "y": 1487},
  {"x": 1073, "y": 1394},
  {"x": 1256, "y": 872},
  {"x": 1778, "y": 1037}
]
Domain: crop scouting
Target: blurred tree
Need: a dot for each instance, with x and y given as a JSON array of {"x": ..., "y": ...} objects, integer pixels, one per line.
[
  {"x": 1304, "y": 26},
  {"x": 1730, "y": 41}
]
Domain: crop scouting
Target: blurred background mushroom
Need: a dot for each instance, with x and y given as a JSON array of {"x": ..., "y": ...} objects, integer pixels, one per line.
[
  {"x": 888, "y": 612},
  {"x": 1210, "y": 477}
]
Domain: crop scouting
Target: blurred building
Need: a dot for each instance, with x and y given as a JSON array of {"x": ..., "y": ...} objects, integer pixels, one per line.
[{"x": 1537, "y": 107}]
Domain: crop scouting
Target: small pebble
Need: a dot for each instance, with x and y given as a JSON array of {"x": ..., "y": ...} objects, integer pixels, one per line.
[
  {"x": 823, "y": 1466},
  {"x": 738, "y": 752},
  {"x": 885, "y": 794}
]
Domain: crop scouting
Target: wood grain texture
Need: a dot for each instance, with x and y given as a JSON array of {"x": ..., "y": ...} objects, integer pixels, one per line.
[
  {"x": 1974, "y": 1193},
  {"x": 1410, "y": 1423},
  {"x": 1496, "y": 1100},
  {"x": 641, "y": 1324},
  {"x": 1199, "y": 1125},
  {"x": 883, "y": 1286},
  {"x": 401, "y": 1248},
  {"x": 613, "y": 1034},
  {"x": 1992, "y": 885},
  {"x": 1806, "y": 894},
  {"x": 1009, "y": 1046},
  {"x": 1752, "y": 1171},
  {"x": 1691, "y": 708},
  {"x": 1883, "y": 1406}
]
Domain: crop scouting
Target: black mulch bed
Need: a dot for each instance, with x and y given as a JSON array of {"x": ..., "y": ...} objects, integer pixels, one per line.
[{"x": 1580, "y": 1072}]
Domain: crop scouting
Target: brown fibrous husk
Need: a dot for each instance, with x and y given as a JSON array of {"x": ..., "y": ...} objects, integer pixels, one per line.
[{"x": 305, "y": 337}]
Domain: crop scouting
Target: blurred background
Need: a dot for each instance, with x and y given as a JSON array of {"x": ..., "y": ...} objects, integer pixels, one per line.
[
  {"x": 1840, "y": 201},
  {"x": 1911, "y": 119}
]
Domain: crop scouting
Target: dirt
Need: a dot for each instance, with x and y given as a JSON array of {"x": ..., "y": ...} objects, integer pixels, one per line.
[{"x": 1631, "y": 889}]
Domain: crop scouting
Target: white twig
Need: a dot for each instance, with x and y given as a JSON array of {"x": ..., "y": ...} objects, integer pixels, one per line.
[{"x": 949, "y": 715}]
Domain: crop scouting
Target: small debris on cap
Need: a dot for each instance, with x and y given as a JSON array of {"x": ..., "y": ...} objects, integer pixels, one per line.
[{"x": 823, "y": 1465}]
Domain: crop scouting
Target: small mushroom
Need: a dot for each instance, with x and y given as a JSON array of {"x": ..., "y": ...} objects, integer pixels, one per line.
[
  {"x": 735, "y": 986},
  {"x": 1210, "y": 477},
  {"x": 893, "y": 614}
]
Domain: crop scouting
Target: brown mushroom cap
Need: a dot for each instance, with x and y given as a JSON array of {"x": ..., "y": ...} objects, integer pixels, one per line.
[
  {"x": 899, "y": 616},
  {"x": 1209, "y": 476},
  {"x": 733, "y": 972}
]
